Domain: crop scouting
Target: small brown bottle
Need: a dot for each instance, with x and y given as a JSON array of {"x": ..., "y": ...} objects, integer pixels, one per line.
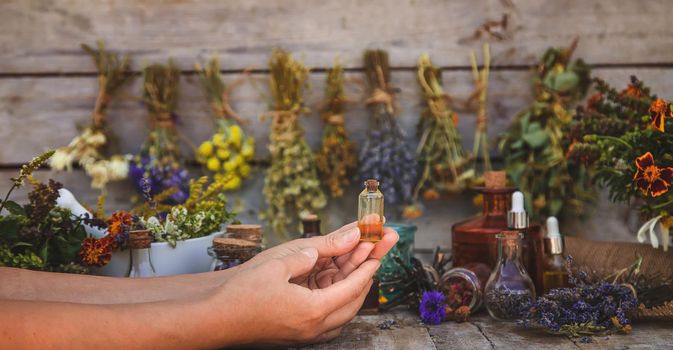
[
  {"x": 370, "y": 212},
  {"x": 311, "y": 225},
  {"x": 555, "y": 274}
]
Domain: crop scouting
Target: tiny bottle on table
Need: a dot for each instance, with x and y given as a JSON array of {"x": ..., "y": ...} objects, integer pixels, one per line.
[{"x": 370, "y": 212}]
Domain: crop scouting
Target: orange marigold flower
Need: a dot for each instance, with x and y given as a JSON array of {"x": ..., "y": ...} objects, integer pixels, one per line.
[
  {"x": 412, "y": 212},
  {"x": 649, "y": 178},
  {"x": 431, "y": 194},
  {"x": 96, "y": 251},
  {"x": 593, "y": 101},
  {"x": 658, "y": 111},
  {"x": 631, "y": 91},
  {"x": 116, "y": 222}
]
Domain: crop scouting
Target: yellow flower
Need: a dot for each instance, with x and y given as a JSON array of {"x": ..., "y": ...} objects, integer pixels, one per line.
[
  {"x": 229, "y": 166},
  {"x": 223, "y": 153},
  {"x": 218, "y": 140},
  {"x": 213, "y": 164},
  {"x": 235, "y": 135},
  {"x": 232, "y": 183},
  {"x": 245, "y": 170},
  {"x": 238, "y": 160},
  {"x": 206, "y": 149},
  {"x": 247, "y": 151}
]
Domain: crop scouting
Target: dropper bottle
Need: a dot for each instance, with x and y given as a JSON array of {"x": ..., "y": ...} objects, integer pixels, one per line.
[
  {"x": 518, "y": 220},
  {"x": 555, "y": 274}
]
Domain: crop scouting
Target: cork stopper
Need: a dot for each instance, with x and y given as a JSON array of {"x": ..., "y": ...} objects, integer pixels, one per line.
[
  {"x": 140, "y": 239},
  {"x": 495, "y": 179},
  {"x": 372, "y": 185},
  {"x": 234, "y": 248},
  {"x": 229, "y": 243},
  {"x": 310, "y": 217},
  {"x": 252, "y": 233}
]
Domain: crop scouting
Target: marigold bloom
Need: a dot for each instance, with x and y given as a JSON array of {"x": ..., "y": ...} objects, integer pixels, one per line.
[
  {"x": 96, "y": 252},
  {"x": 411, "y": 212},
  {"x": 117, "y": 221},
  {"x": 658, "y": 111},
  {"x": 431, "y": 194},
  {"x": 593, "y": 101},
  {"x": 632, "y": 91},
  {"x": 649, "y": 178}
]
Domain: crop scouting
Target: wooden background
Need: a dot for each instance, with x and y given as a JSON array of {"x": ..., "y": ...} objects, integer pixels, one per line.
[{"x": 48, "y": 85}]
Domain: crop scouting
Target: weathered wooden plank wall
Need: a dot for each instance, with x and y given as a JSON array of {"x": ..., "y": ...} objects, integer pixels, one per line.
[{"x": 47, "y": 85}]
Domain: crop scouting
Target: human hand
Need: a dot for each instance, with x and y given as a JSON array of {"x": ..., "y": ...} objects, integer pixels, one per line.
[{"x": 265, "y": 304}]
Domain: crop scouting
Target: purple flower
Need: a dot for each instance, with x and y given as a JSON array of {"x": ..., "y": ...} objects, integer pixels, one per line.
[
  {"x": 146, "y": 173},
  {"x": 433, "y": 307}
]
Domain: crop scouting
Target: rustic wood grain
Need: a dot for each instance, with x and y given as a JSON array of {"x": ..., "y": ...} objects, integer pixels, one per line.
[
  {"x": 41, "y": 113},
  {"x": 507, "y": 335},
  {"x": 43, "y": 36}
]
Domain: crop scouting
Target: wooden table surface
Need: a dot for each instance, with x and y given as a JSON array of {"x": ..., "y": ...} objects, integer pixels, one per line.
[{"x": 482, "y": 332}]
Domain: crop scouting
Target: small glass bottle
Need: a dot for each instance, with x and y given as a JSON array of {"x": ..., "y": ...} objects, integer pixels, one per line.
[
  {"x": 370, "y": 212},
  {"x": 311, "y": 226},
  {"x": 509, "y": 288},
  {"x": 555, "y": 274},
  {"x": 141, "y": 262},
  {"x": 465, "y": 285}
]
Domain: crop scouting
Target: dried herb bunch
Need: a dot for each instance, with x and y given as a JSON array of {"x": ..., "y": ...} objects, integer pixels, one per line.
[
  {"x": 40, "y": 235},
  {"x": 159, "y": 160},
  {"x": 91, "y": 149},
  {"x": 626, "y": 136},
  {"x": 336, "y": 159},
  {"x": 229, "y": 151},
  {"x": 386, "y": 156},
  {"x": 291, "y": 185},
  {"x": 480, "y": 146},
  {"x": 588, "y": 308},
  {"x": 440, "y": 150},
  {"x": 534, "y": 147}
]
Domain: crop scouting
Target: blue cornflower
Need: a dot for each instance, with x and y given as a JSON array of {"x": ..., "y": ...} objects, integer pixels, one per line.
[{"x": 433, "y": 307}]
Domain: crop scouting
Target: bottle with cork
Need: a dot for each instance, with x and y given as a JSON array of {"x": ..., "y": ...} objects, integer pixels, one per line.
[
  {"x": 555, "y": 274},
  {"x": 140, "y": 242},
  {"x": 311, "y": 226},
  {"x": 370, "y": 212}
]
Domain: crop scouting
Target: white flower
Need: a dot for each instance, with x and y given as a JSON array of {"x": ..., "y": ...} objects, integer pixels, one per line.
[
  {"x": 98, "y": 173},
  {"x": 118, "y": 168},
  {"x": 61, "y": 160},
  {"x": 650, "y": 226}
]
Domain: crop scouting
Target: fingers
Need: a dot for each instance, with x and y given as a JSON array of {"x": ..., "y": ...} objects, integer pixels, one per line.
[
  {"x": 336, "y": 243},
  {"x": 349, "y": 262},
  {"x": 300, "y": 263},
  {"x": 382, "y": 247},
  {"x": 345, "y": 314},
  {"x": 350, "y": 288}
]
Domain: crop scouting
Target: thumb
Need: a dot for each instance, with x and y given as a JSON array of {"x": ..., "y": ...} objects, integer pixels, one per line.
[{"x": 300, "y": 263}]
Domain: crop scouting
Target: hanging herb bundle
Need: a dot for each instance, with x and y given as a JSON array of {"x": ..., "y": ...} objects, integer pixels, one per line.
[
  {"x": 291, "y": 185},
  {"x": 385, "y": 155},
  {"x": 159, "y": 160},
  {"x": 228, "y": 153},
  {"x": 480, "y": 147},
  {"x": 336, "y": 160},
  {"x": 534, "y": 147},
  {"x": 90, "y": 149},
  {"x": 626, "y": 136},
  {"x": 440, "y": 150}
]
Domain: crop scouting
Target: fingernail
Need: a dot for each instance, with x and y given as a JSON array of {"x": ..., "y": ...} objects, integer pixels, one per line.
[
  {"x": 350, "y": 235},
  {"x": 310, "y": 252}
]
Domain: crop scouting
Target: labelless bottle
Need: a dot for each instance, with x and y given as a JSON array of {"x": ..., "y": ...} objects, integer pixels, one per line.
[
  {"x": 141, "y": 263},
  {"x": 370, "y": 212},
  {"x": 555, "y": 274},
  {"x": 311, "y": 226}
]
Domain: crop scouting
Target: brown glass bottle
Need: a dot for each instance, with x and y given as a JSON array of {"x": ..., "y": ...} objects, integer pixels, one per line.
[{"x": 311, "y": 226}]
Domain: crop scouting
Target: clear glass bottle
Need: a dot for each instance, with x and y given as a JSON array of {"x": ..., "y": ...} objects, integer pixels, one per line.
[
  {"x": 141, "y": 261},
  {"x": 509, "y": 288},
  {"x": 370, "y": 212},
  {"x": 555, "y": 274}
]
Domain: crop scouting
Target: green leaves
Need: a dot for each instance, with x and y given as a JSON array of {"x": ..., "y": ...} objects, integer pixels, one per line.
[
  {"x": 14, "y": 208},
  {"x": 535, "y": 136}
]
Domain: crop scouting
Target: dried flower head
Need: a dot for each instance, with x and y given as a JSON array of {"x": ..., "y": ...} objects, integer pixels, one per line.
[
  {"x": 433, "y": 307},
  {"x": 651, "y": 179},
  {"x": 28, "y": 168},
  {"x": 96, "y": 251}
]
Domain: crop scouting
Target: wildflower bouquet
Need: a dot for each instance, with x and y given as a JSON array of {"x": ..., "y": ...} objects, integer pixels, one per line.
[
  {"x": 291, "y": 185},
  {"x": 336, "y": 160},
  {"x": 386, "y": 156},
  {"x": 626, "y": 136},
  {"x": 228, "y": 153},
  {"x": 91, "y": 149},
  {"x": 159, "y": 159},
  {"x": 39, "y": 235},
  {"x": 203, "y": 213},
  {"x": 440, "y": 151},
  {"x": 534, "y": 147}
]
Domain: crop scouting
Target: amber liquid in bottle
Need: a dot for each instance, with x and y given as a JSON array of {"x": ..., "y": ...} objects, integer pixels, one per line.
[{"x": 370, "y": 212}]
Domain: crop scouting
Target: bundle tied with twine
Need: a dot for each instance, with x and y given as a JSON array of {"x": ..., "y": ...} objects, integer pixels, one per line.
[
  {"x": 91, "y": 149},
  {"x": 440, "y": 150},
  {"x": 160, "y": 159},
  {"x": 336, "y": 159},
  {"x": 651, "y": 277},
  {"x": 291, "y": 185},
  {"x": 229, "y": 151},
  {"x": 386, "y": 156}
]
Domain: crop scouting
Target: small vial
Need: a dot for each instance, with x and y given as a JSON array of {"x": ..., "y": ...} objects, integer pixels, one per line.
[{"x": 370, "y": 212}]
